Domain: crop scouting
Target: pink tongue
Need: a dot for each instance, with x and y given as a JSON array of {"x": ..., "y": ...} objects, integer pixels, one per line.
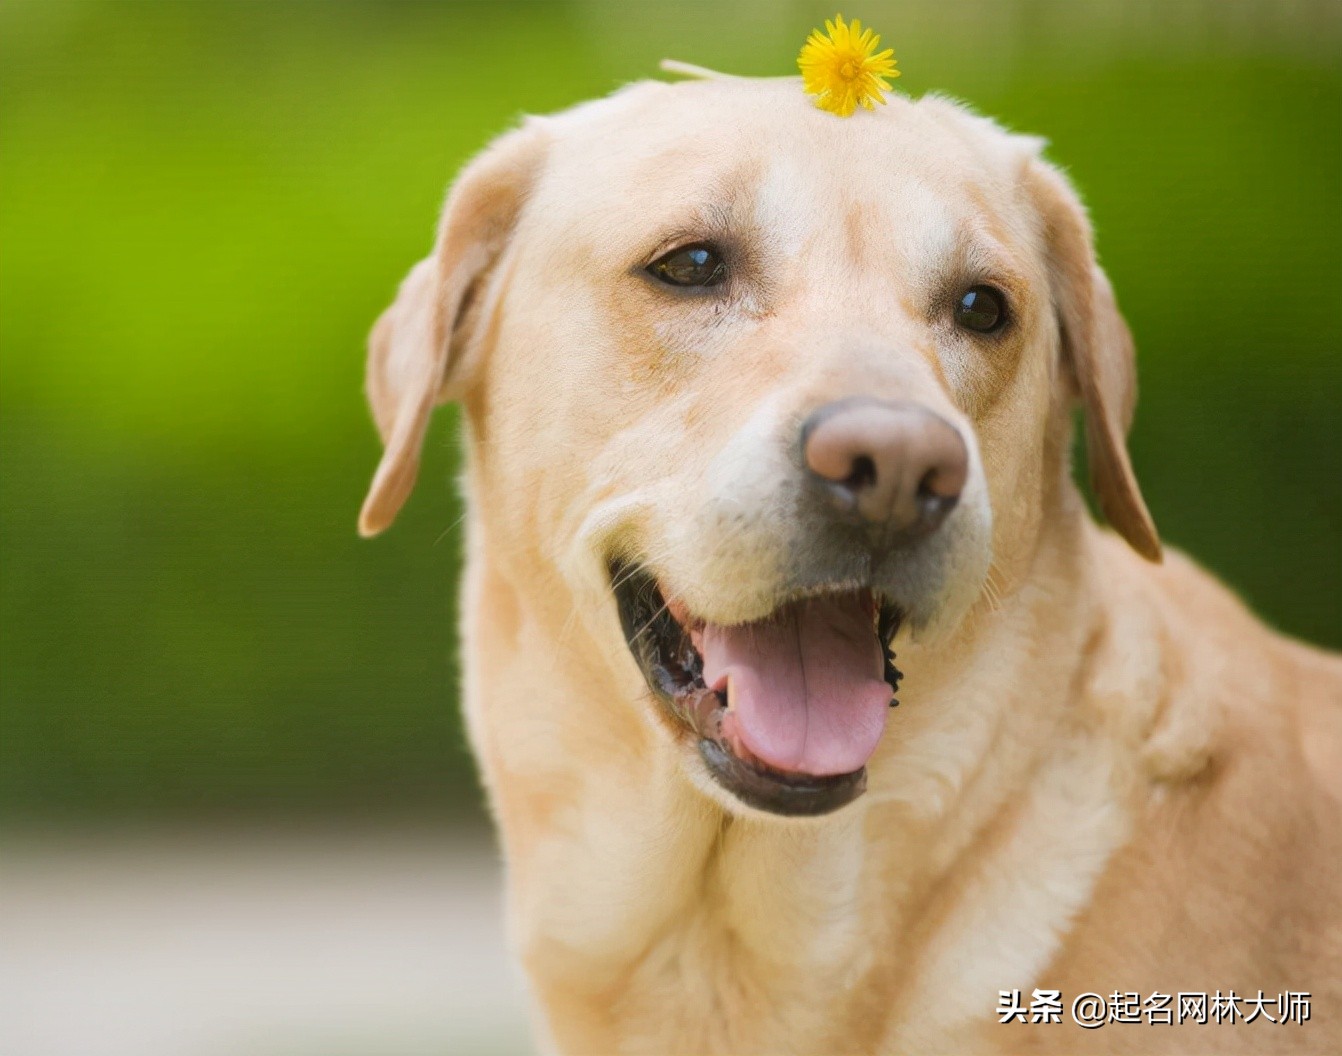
[{"x": 807, "y": 693}]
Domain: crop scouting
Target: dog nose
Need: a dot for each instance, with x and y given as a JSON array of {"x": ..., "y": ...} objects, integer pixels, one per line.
[{"x": 899, "y": 465}]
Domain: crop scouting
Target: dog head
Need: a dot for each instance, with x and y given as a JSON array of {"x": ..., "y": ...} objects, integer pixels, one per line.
[{"x": 777, "y": 383}]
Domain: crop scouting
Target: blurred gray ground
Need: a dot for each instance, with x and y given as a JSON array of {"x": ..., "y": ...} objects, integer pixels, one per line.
[{"x": 247, "y": 942}]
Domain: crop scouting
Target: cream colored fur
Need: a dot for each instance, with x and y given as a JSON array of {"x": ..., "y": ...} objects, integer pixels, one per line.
[{"x": 1104, "y": 773}]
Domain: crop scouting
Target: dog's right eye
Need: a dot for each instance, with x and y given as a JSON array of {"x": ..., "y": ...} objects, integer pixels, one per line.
[{"x": 698, "y": 265}]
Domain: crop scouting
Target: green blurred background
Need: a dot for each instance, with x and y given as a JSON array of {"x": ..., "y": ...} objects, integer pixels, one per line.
[{"x": 204, "y": 206}]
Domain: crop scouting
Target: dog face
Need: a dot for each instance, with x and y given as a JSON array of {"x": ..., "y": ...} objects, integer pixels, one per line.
[{"x": 778, "y": 382}]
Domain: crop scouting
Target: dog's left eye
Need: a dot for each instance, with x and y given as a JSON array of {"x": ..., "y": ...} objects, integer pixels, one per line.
[
  {"x": 981, "y": 309},
  {"x": 699, "y": 265}
]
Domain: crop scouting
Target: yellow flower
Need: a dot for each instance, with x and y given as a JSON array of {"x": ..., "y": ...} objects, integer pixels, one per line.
[{"x": 841, "y": 68}]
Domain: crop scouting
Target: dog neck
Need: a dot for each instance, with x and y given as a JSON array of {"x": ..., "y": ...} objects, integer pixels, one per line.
[{"x": 635, "y": 898}]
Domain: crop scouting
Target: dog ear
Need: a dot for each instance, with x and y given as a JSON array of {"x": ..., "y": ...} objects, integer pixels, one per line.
[
  {"x": 421, "y": 350},
  {"x": 1098, "y": 354}
]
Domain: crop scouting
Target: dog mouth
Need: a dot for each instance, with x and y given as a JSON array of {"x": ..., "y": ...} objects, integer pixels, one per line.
[{"x": 787, "y": 710}]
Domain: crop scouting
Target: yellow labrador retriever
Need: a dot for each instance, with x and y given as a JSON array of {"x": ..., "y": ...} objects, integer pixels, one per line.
[{"x": 764, "y": 407}]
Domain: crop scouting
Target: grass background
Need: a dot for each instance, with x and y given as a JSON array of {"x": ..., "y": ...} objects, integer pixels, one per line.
[{"x": 203, "y": 207}]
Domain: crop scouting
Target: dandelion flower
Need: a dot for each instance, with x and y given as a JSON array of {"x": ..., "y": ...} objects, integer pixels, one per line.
[{"x": 841, "y": 67}]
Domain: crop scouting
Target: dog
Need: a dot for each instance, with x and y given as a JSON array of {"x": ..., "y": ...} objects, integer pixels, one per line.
[{"x": 767, "y": 425}]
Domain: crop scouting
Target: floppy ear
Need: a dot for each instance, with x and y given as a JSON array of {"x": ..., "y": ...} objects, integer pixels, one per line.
[
  {"x": 1098, "y": 353},
  {"x": 421, "y": 352}
]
